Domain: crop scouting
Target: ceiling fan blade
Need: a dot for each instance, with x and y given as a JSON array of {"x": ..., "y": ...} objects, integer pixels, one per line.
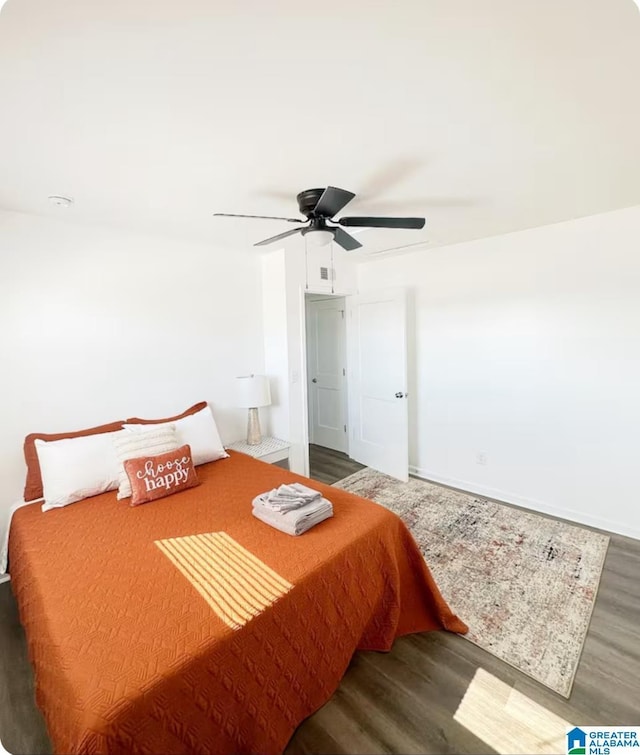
[
  {"x": 332, "y": 201},
  {"x": 383, "y": 222},
  {"x": 260, "y": 217},
  {"x": 279, "y": 236},
  {"x": 345, "y": 239}
]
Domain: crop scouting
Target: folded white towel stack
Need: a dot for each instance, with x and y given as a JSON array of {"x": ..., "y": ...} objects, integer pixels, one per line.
[
  {"x": 289, "y": 497},
  {"x": 293, "y": 509}
]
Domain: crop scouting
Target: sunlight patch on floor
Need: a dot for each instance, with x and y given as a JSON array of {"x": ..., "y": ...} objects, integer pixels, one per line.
[{"x": 508, "y": 721}]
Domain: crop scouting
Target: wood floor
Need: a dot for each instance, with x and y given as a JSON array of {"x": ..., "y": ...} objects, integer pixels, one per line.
[
  {"x": 22, "y": 728},
  {"x": 330, "y": 466},
  {"x": 405, "y": 701}
]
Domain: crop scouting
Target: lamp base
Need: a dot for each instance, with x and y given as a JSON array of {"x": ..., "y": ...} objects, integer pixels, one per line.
[{"x": 254, "y": 436}]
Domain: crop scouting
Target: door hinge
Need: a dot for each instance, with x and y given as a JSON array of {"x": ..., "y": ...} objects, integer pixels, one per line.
[
  {"x": 344, "y": 372},
  {"x": 342, "y": 313},
  {"x": 345, "y": 428}
]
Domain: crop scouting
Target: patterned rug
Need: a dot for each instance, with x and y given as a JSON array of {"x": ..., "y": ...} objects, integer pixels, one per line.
[{"x": 525, "y": 584}]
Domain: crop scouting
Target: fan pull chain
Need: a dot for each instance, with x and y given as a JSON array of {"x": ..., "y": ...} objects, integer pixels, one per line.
[{"x": 332, "y": 269}]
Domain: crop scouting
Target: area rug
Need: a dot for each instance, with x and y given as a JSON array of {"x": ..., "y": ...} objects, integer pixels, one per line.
[{"x": 525, "y": 584}]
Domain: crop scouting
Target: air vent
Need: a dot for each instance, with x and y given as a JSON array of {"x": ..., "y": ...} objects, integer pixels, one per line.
[{"x": 324, "y": 273}]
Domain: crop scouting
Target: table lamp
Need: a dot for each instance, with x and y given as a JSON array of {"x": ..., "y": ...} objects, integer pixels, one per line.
[{"x": 253, "y": 391}]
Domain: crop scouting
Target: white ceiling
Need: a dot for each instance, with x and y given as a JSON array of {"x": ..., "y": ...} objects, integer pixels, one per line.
[{"x": 487, "y": 117}]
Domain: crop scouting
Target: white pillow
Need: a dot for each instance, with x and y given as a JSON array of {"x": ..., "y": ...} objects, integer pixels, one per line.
[
  {"x": 151, "y": 441},
  {"x": 76, "y": 468},
  {"x": 199, "y": 431}
]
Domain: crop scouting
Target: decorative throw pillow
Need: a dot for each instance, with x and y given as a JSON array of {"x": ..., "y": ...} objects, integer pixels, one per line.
[
  {"x": 153, "y": 477},
  {"x": 199, "y": 431},
  {"x": 75, "y": 468},
  {"x": 33, "y": 484},
  {"x": 150, "y": 441}
]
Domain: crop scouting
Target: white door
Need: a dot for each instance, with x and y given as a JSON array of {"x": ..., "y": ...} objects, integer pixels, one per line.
[
  {"x": 378, "y": 406},
  {"x": 326, "y": 373}
]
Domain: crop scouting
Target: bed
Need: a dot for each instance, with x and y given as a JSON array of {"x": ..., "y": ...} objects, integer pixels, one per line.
[{"x": 132, "y": 650}]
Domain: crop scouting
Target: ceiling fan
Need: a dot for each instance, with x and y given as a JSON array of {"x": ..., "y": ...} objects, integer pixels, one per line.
[{"x": 320, "y": 207}]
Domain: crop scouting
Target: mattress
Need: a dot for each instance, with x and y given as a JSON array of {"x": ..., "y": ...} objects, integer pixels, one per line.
[{"x": 188, "y": 626}]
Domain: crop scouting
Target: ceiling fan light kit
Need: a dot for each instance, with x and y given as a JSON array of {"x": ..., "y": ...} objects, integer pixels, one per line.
[
  {"x": 320, "y": 206},
  {"x": 318, "y": 237}
]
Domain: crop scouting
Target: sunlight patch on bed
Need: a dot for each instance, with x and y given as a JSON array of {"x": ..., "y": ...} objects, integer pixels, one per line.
[
  {"x": 508, "y": 721},
  {"x": 235, "y": 584}
]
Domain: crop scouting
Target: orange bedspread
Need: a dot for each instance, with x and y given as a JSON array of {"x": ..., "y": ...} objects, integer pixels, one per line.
[{"x": 130, "y": 657}]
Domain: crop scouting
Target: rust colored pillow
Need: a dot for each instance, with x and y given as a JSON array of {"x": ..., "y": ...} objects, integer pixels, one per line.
[
  {"x": 33, "y": 485},
  {"x": 191, "y": 410},
  {"x": 154, "y": 477}
]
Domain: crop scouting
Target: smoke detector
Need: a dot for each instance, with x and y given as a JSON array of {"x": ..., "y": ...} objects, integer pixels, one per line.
[{"x": 61, "y": 201}]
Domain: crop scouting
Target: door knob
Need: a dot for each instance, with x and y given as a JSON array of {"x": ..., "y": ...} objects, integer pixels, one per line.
[
  {"x": 314, "y": 380},
  {"x": 400, "y": 394}
]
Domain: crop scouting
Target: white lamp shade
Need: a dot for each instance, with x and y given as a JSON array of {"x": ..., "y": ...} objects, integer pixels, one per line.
[
  {"x": 319, "y": 238},
  {"x": 253, "y": 391}
]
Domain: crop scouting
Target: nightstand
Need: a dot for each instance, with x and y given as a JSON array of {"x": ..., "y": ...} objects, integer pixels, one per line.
[{"x": 271, "y": 450}]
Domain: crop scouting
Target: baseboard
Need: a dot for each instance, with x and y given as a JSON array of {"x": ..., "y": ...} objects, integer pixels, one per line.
[
  {"x": 578, "y": 517},
  {"x": 4, "y": 578}
]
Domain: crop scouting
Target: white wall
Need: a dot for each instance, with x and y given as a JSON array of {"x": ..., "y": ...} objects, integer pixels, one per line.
[
  {"x": 526, "y": 348},
  {"x": 99, "y": 325},
  {"x": 276, "y": 348}
]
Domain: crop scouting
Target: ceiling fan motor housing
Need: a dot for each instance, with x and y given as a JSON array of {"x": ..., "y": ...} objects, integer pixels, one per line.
[{"x": 308, "y": 199}]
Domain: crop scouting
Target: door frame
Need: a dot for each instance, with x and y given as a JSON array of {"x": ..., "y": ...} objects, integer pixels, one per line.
[
  {"x": 298, "y": 399},
  {"x": 304, "y": 292}
]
